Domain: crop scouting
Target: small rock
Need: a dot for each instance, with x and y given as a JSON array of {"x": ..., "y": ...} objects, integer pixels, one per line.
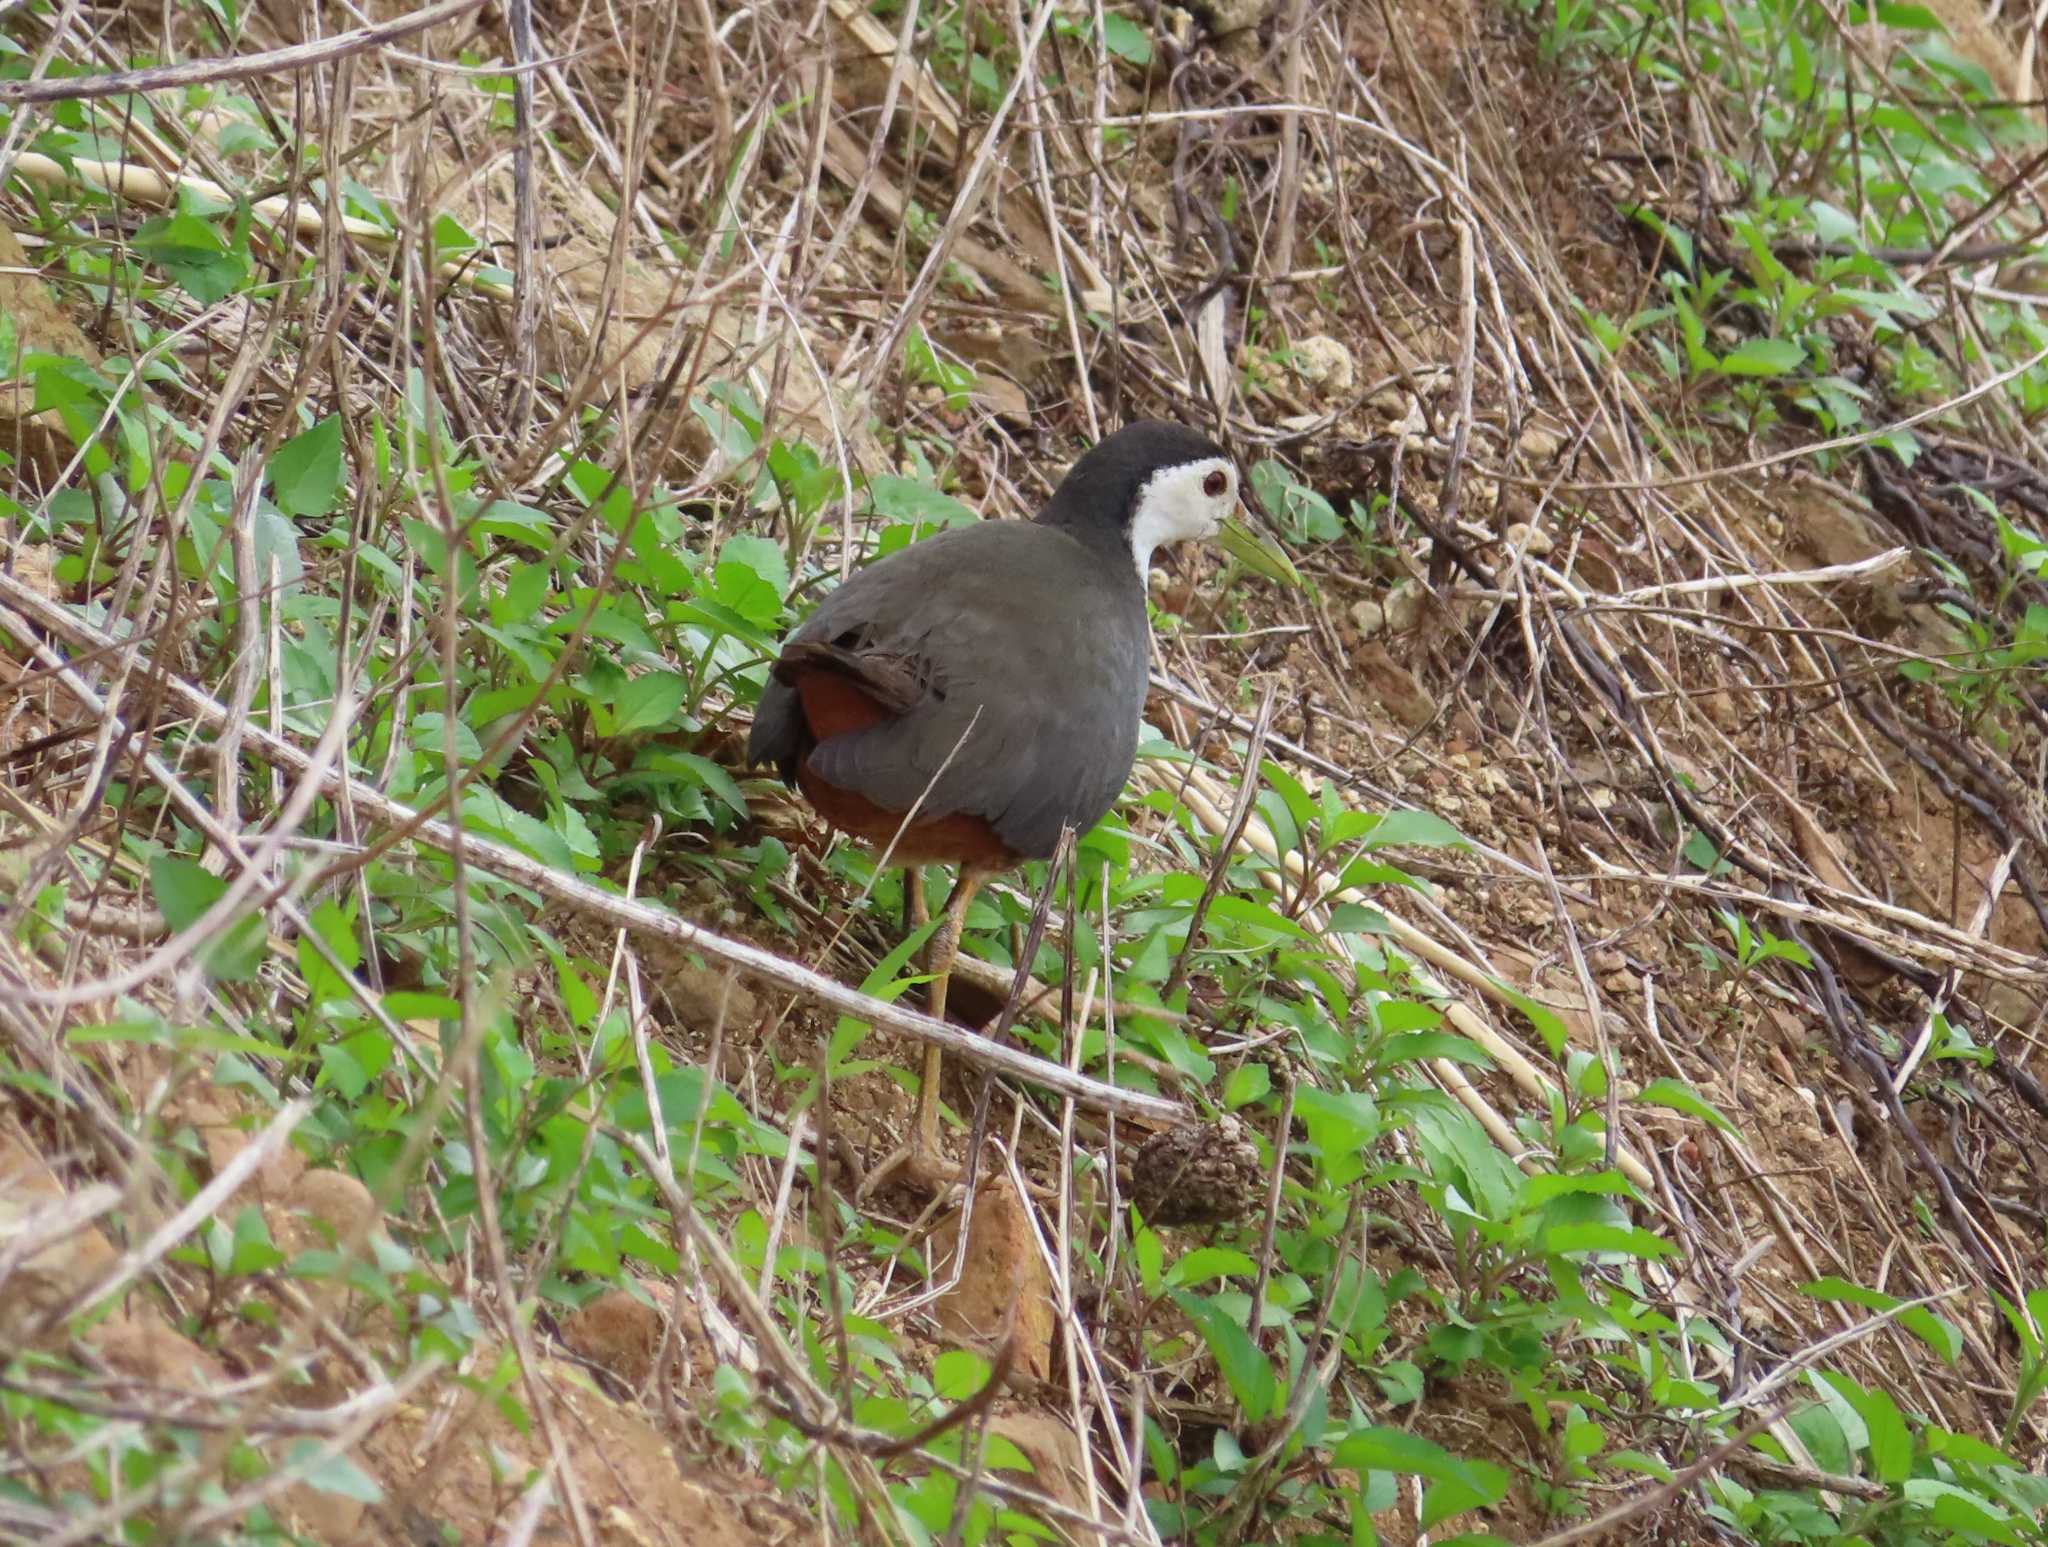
[
  {"x": 1399, "y": 691},
  {"x": 325, "y": 1208},
  {"x": 215, "y": 1116},
  {"x": 619, "y": 1332},
  {"x": 1234, "y": 16},
  {"x": 1532, "y": 540},
  {"x": 1540, "y": 445},
  {"x": 1370, "y": 617},
  {"x": 1403, "y": 607},
  {"x": 1002, "y": 397},
  {"x": 1051, "y": 1448},
  {"x": 1323, "y": 362},
  {"x": 699, "y": 993},
  {"x": 1413, "y": 428},
  {"x": 145, "y": 1348},
  {"x": 1001, "y": 1268},
  {"x": 63, "y": 1260}
]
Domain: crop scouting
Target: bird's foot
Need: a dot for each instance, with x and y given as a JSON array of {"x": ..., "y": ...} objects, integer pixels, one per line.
[{"x": 915, "y": 1166}]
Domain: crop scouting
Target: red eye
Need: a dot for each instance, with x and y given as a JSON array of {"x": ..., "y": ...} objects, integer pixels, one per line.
[{"x": 1215, "y": 484}]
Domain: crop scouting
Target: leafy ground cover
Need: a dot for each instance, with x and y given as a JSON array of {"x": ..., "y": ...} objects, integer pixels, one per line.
[{"x": 1547, "y": 1049}]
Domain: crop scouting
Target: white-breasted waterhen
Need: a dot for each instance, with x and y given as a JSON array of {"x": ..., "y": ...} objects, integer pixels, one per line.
[{"x": 964, "y": 699}]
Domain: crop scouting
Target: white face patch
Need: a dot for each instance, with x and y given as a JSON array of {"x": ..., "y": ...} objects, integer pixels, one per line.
[{"x": 1179, "y": 503}]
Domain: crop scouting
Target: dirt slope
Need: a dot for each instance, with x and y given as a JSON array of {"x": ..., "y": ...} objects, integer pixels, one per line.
[{"x": 1640, "y": 652}]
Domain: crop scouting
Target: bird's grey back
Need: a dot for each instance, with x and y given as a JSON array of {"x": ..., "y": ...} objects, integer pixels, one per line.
[{"x": 1035, "y": 644}]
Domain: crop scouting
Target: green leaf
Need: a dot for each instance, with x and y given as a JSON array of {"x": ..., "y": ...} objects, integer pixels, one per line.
[
  {"x": 732, "y": 428},
  {"x": 1764, "y": 357},
  {"x": 1342, "y": 1128},
  {"x": 1701, "y": 854},
  {"x": 921, "y": 361},
  {"x": 1606, "y": 1238},
  {"x": 1681, "y": 1097},
  {"x": 1247, "y": 1370},
  {"x": 1210, "y": 1262},
  {"x": 1441, "y": 1501},
  {"x": 1419, "y": 829},
  {"x": 752, "y": 578},
  {"x": 1936, "y": 1332},
  {"x": 1151, "y": 1254},
  {"x": 1254, "y": 921},
  {"x": 958, "y": 1374},
  {"x": 905, "y": 499},
  {"x": 1548, "y": 1023},
  {"x": 485, "y": 811},
  {"x": 1462, "y": 1156},
  {"x": 1400, "y": 1381},
  {"x": 1966, "y": 1448},
  {"x": 1540, "y": 1189},
  {"x": 332, "y": 1474},
  {"x": 305, "y": 474},
  {"x": 254, "y": 1251},
  {"x": 1887, "y": 1441},
  {"x": 1961, "y": 1509},
  {"x": 1414, "y": 1046},
  {"x": 1246, "y": 1084},
  {"x": 648, "y": 702},
  {"x": 184, "y": 891},
  {"x": 1384, "y": 1449},
  {"x": 1126, "y": 39},
  {"x": 1909, "y": 18},
  {"x": 193, "y": 252},
  {"x": 522, "y": 524},
  {"x": 716, "y": 780},
  {"x": 1638, "y": 1462}
]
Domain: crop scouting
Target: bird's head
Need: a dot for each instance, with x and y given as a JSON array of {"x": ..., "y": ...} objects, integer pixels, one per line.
[{"x": 1150, "y": 484}]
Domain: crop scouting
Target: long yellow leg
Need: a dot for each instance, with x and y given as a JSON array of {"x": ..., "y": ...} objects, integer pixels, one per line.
[
  {"x": 919, "y": 1161},
  {"x": 913, "y": 899}
]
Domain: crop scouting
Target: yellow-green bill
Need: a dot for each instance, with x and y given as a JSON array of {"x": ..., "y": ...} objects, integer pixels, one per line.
[{"x": 1258, "y": 553}]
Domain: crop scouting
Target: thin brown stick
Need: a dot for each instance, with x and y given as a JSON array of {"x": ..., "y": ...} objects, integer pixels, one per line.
[{"x": 200, "y": 72}]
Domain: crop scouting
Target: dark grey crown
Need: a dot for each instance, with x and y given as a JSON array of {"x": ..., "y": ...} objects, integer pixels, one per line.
[{"x": 1097, "y": 496}]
